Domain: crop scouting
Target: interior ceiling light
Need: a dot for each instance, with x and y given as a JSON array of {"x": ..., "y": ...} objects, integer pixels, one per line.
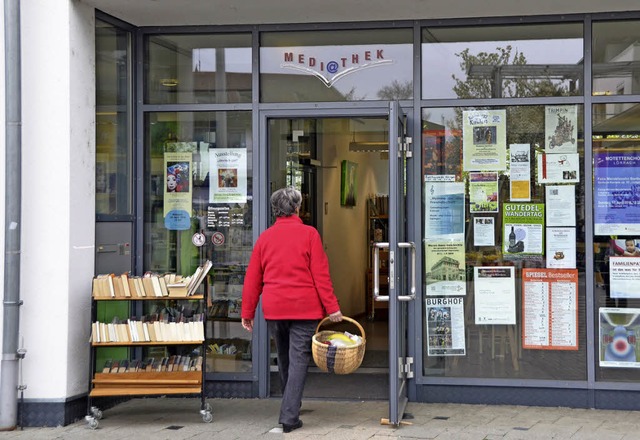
[
  {"x": 169, "y": 82},
  {"x": 368, "y": 147}
]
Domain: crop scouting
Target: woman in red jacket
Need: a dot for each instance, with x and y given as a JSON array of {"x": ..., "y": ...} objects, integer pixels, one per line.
[{"x": 289, "y": 268}]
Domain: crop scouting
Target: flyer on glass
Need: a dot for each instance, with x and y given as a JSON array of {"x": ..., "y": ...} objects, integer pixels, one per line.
[
  {"x": 484, "y": 140},
  {"x": 520, "y": 172},
  {"x": 523, "y": 228},
  {"x": 444, "y": 211},
  {"x": 495, "y": 295},
  {"x": 616, "y": 193},
  {"x": 561, "y": 128},
  {"x": 228, "y": 175},
  {"x": 550, "y": 309},
  {"x": 483, "y": 192},
  {"x": 445, "y": 268},
  {"x": 561, "y": 248},
  {"x": 484, "y": 231},
  {"x": 445, "y": 327},
  {"x": 177, "y": 190},
  {"x": 618, "y": 340},
  {"x": 624, "y": 277},
  {"x": 558, "y": 168},
  {"x": 561, "y": 205}
]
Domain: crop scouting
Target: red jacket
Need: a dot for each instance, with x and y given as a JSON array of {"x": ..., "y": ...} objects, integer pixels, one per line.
[{"x": 289, "y": 267}]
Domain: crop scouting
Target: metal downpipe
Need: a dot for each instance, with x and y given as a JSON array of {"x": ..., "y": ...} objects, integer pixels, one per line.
[{"x": 13, "y": 201}]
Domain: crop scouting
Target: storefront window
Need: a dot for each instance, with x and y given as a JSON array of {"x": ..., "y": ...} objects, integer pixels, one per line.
[
  {"x": 353, "y": 65},
  {"x": 502, "y": 61},
  {"x": 504, "y": 242},
  {"x": 616, "y": 192},
  {"x": 198, "y": 69},
  {"x": 616, "y": 58},
  {"x": 113, "y": 120},
  {"x": 198, "y": 206}
]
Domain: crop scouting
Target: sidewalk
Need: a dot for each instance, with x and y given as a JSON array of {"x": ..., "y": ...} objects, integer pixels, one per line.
[{"x": 176, "y": 419}]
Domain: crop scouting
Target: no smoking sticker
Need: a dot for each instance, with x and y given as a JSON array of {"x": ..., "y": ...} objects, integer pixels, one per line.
[{"x": 217, "y": 239}]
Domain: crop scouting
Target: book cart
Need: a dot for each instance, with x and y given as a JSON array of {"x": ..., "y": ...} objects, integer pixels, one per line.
[{"x": 162, "y": 377}]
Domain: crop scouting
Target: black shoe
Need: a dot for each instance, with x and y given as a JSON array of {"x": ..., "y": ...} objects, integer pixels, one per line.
[{"x": 288, "y": 428}]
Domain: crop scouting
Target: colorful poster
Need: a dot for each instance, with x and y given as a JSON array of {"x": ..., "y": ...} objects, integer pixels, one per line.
[
  {"x": 617, "y": 193},
  {"x": 445, "y": 327},
  {"x": 484, "y": 140},
  {"x": 445, "y": 268},
  {"x": 624, "y": 276},
  {"x": 484, "y": 231},
  {"x": 618, "y": 337},
  {"x": 178, "y": 189},
  {"x": 523, "y": 231},
  {"x": 520, "y": 172},
  {"x": 561, "y": 205},
  {"x": 561, "y": 248},
  {"x": 444, "y": 211},
  {"x": 558, "y": 168},
  {"x": 550, "y": 309},
  {"x": 561, "y": 128},
  {"x": 483, "y": 192},
  {"x": 495, "y": 295},
  {"x": 228, "y": 175}
]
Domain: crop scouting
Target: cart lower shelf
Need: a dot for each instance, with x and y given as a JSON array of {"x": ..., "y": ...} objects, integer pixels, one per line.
[{"x": 146, "y": 383}]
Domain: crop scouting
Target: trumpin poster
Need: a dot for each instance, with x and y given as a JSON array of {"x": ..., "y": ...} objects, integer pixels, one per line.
[
  {"x": 228, "y": 175},
  {"x": 618, "y": 340},
  {"x": 484, "y": 140},
  {"x": 177, "y": 191},
  {"x": 561, "y": 128}
]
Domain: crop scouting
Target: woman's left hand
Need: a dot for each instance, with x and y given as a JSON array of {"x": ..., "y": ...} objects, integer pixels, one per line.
[{"x": 247, "y": 324}]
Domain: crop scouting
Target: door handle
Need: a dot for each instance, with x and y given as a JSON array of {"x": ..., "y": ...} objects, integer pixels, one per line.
[
  {"x": 412, "y": 246},
  {"x": 376, "y": 273}
]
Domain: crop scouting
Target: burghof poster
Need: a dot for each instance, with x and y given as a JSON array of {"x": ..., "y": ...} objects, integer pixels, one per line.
[
  {"x": 445, "y": 327},
  {"x": 483, "y": 192},
  {"x": 617, "y": 193},
  {"x": 624, "y": 277},
  {"x": 445, "y": 268},
  {"x": 561, "y": 128},
  {"x": 618, "y": 340},
  {"x": 484, "y": 140},
  {"x": 228, "y": 175},
  {"x": 523, "y": 225},
  {"x": 561, "y": 205},
  {"x": 483, "y": 231},
  {"x": 520, "y": 172},
  {"x": 550, "y": 309},
  {"x": 561, "y": 248},
  {"x": 495, "y": 295},
  {"x": 558, "y": 168},
  {"x": 444, "y": 211},
  {"x": 177, "y": 190}
]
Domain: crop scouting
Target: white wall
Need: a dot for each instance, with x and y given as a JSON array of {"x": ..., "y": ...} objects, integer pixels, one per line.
[
  {"x": 58, "y": 196},
  {"x": 2, "y": 169}
]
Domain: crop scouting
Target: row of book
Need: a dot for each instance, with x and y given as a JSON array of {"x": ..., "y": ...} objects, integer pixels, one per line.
[
  {"x": 150, "y": 285},
  {"x": 169, "y": 363},
  {"x": 142, "y": 331}
]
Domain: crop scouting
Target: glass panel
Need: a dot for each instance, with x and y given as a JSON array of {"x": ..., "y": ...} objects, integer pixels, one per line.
[
  {"x": 616, "y": 55},
  {"x": 355, "y": 65},
  {"x": 203, "y": 69},
  {"x": 616, "y": 154},
  {"x": 502, "y": 61},
  {"x": 503, "y": 216},
  {"x": 198, "y": 190},
  {"x": 113, "y": 120}
]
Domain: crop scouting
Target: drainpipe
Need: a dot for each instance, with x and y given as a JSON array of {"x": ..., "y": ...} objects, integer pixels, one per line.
[{"x": 13, "y": 200}]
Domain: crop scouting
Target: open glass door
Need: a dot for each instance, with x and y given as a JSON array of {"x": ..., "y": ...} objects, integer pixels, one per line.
[{"x": 401, "y": 266}]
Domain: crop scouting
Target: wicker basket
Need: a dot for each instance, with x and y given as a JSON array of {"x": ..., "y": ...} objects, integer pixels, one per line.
[{"x": 337, "y": 360}]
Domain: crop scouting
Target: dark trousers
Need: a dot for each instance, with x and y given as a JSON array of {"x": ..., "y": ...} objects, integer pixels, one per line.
[{"x": 293, "y": 343}]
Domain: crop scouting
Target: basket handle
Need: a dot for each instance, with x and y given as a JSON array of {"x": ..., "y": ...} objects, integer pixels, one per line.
[{"x": 345, "y": 318}]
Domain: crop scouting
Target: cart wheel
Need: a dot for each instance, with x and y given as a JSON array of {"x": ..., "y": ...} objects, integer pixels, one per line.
[
  {"x": 207, "y": 407},
  {"x": 96, "y": 413},
  {"x": 207, "y": 417},
  {"x": 93, "y": 423}
]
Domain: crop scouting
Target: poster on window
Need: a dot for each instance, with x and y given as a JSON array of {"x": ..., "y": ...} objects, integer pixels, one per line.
[
  {"x": 444, "y": 211},
  {"x": 618, "y": 337},
  {"x": 228, "y": 175},
  {"x": 558, "y": 168},
  {"x": 617, "y": 193},
  {"x": 561, "y": 128},
  {"x": 483, "y": 192},
  {"x": 561, "y": 205},
  {"x": 484, "y": 140},
  {"x": 561, "y": 248},
  {"x": 624, "y": 274},
  {"x": 484, "y": 231},
  {"x": 523, "y": 228},
  {"x": 550, "y": 309},
  {"x": 177, "y": 191},
  {"x": 445, "y": 268},
  {"x": 495, "y": 295},
  {"x": 445, "y": 327},
  {"x": 520, "y": 172}
]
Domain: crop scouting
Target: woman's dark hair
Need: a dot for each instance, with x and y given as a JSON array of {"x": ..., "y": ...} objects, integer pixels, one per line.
[{"x": 285, "y": 201}]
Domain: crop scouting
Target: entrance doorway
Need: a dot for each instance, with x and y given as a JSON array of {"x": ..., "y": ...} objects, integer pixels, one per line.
[{"x": 340, "y": 164}]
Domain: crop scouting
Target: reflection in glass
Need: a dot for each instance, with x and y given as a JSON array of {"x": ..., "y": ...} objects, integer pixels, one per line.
[{"x": 616, "y": 58}]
